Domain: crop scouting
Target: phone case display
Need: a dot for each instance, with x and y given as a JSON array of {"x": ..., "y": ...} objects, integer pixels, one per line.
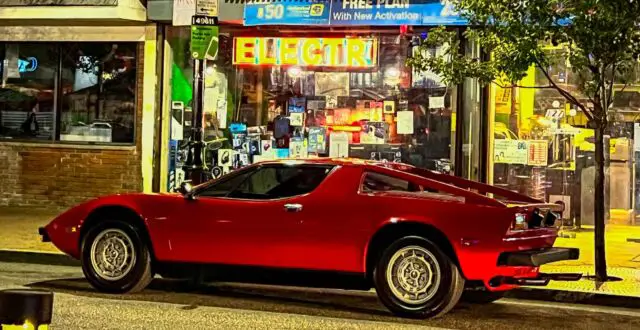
[
  {"x": 296, "y": 119},
  {"x": 281, "y": 127},
  {"x": 338, "y": 145},
  {"x": 225, "y": 157},
  {"x": 317, "y": 140},
  {"x": 297, "y": 148},
  {"x": 281, "y": 153},
  {"x": 405, "y": 122},
  {"x": 374, "y": 133}
]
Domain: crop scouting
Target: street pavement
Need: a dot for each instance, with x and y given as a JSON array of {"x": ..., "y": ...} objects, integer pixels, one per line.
[{"x": 171, "y": 305}]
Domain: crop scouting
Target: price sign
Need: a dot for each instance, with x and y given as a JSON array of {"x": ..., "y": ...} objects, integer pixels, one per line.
[
  {"x": 204, "y": 37},
  {"x": 287, "y": 13}
]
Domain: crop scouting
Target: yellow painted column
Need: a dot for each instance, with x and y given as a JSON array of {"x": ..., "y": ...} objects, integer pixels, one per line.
[
  {"x": 149, "y": 82},
  {"x": 166, "y": 116}
]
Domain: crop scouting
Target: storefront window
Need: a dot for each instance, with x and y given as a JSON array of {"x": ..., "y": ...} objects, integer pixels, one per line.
[
  {"x": 543, "y": 148},
  {"x": 338, "y": 96},
  {"x": 72, "y": 92},
  {"x": 273, "y": 95},
  {"x": 27, "y": 94},
  {"x": 98, "y": 92}
]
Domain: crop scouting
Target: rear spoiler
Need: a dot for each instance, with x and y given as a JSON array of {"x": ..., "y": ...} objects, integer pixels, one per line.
[
  {"x": 468, "y": 195},
  {"x": 480, "y": 188}
]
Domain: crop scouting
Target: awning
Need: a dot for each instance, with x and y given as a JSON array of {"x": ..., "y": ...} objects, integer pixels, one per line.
[{"x": 74, "y": 10}]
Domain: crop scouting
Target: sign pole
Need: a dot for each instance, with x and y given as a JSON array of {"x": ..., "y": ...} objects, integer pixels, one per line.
[{"x": 204, "y": 46}]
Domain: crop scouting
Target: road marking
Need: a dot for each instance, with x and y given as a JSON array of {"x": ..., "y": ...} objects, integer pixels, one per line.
[{"x": 574, "y": 307}]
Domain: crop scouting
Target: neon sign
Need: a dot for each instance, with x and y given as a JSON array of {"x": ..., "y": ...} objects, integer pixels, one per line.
[
  {"x": 306, "y": 52},
  {"x": 29, "y": 65}
]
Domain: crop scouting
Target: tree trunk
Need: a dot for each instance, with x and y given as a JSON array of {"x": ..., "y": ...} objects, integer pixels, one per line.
[
  {"x": 599, "y": 203},
  {"x": 513, "y": 116}
]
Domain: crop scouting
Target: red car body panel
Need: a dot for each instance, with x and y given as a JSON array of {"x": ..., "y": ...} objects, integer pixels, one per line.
[{"x": 334, "y": 229}]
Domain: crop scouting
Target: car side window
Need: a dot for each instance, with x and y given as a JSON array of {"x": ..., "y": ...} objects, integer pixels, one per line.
[
  {"x": 280, "y": 181},
  {"x": 374, "y": 182},
  {"x": 226, "y": 184}
]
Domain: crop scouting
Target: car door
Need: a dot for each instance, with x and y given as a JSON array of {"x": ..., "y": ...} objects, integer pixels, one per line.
[{"x": 257, "y": 221}]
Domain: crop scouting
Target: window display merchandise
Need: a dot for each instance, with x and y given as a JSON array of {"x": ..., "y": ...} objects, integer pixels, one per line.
[{"x": 329, "y": 96}]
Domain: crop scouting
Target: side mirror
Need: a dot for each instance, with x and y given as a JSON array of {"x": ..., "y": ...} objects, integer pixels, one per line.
[{"x": 186, "y": 189}]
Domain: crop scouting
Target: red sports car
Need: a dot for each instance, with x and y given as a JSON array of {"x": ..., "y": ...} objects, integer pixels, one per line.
[{"x": 421, "y": 238}]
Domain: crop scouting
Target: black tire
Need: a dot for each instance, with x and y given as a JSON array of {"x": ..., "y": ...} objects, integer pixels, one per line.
[
  {"x": 444, "y": 296},
  {"x": 135, "y": 278},
  {"x": 481, "y": 296}
]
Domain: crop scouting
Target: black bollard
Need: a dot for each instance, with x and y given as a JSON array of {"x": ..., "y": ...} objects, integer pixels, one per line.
[{"x": 25, "y": 309}]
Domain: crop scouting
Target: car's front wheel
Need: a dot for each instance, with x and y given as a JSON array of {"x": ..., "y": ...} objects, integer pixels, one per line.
[
  {"x": 414, "y": 278},
  {"x": 115, "y": 258}
]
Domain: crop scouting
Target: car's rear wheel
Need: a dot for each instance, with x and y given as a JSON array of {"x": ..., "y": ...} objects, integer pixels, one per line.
[
  {"x": 115, "y": 257},
  {"x": 414, "y": 278},
  {"x": 481, "y": 296}
]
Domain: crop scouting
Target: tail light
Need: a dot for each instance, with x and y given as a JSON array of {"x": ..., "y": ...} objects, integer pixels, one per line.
[{"x": 534, "y": 219}]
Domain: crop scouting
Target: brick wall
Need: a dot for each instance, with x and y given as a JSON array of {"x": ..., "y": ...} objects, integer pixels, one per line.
[
  {"x": 51, "y": 176},
  {"x": 60, "y": 175}
]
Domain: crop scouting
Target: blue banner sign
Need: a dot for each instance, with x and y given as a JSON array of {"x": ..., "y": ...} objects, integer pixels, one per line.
[
  {"x": 394, "y": 12},
  {"x": 310, "y": 12},
  {"x": 352, "y": 12}
]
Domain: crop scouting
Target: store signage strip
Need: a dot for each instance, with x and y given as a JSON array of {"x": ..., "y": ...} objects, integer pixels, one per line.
[
  {"x": 307, "y": 52},
  {"x": 287, "y": 13},
  {"x": 352, "y": 13},
  {"x": 394, "y": 12}
]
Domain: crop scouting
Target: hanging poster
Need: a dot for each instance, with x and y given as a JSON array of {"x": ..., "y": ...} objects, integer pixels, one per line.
[
  {"x": 405, "y": 122},
  {"x": 389, "y": 107},
  {"x": 510, "y": 152},
  {"x": 538, "y": 153},
  {"x": 297, "y": 105}
]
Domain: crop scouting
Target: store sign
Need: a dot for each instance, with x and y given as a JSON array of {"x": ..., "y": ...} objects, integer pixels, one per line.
[
  {"x": 204, "y": 38},
  {"x": 352, "y": 12},
  {"x": 394, "y": 12},
  {"x": 510, "y": 152},
  {"x": 306, "y": 52},
  {"x": 28, "y": 65},
  {"x": 538, "y": 153},
  {"x": 287, "y": 13}
]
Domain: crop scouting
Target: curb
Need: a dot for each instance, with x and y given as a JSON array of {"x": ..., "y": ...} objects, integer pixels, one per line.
[
  {"x": 575, "y": 297},
  {"x": 38, "y": 257}
]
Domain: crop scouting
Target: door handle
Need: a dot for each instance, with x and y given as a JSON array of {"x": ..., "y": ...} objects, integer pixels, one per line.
[{"x": 293, "y": 207}]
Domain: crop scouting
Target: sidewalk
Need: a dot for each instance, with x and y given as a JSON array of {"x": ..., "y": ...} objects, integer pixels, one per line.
[{"x": 19, "y": 231}]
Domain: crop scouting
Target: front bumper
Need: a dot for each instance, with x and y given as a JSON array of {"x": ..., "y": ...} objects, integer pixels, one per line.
[
  {"x": 45, "y": 236},
  {"x": 538, "y": 257}
]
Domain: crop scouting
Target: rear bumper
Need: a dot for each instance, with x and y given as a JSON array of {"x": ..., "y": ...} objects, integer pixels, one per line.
[
  {"x": 45, "y": 236},
  {"x": 537, "y": 258}
]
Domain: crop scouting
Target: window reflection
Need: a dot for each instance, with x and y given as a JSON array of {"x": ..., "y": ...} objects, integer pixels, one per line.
[
  {"x": 27, "y": 92},
  {"x": 98, "y": 86}
]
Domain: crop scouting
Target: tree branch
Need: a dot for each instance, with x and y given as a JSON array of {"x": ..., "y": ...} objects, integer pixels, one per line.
[
  {"x": 572, "y": 99},
  {"x": 520, "y": 86}
]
